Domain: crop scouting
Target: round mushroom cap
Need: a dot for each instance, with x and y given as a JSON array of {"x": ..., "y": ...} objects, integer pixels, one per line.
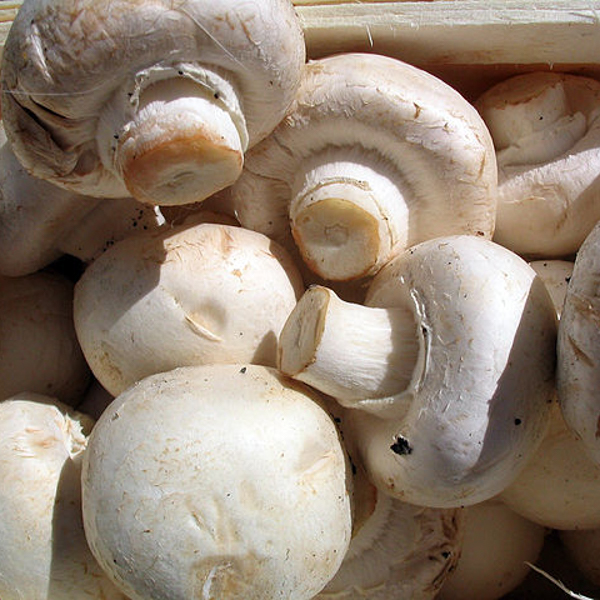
[
  {"x": 194, "y": 294},
  {"x": 65, "y": 61},
  {"x": 44, "y": 554},
  {"x": 496, "y": 546},
  {"x": 391, "y": 119},
  {"x": 545, "y": 125},
  {"x": 578, "y": 347},
  {"x": 478, "y": 403},
  {"x": 217, "y": 481},
  {"x": 40, "y": 350},
  {"x": 559, "y": 487}
]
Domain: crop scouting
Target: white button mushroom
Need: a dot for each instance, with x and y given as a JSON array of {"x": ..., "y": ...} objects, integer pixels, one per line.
[
  {"x": 39, "y": 222},
  {"x": 449, "y": 367},
  {"x": 578, "y": 347},
  {"x": 194, "y": 294},
  {"x": 40, "y": 350},
  {"x": 150, "y": 99},
  {"x": 546, "y": 129},
  {"x": 217, "y": 481},
  {"x": 374, "y": 155},
  {"x": 496, "y": 546},
  {"x": 44, "y": 554},
  {"x": 560, "y": 485}
]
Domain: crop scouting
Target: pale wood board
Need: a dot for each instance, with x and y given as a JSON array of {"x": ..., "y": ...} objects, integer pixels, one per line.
[{"x": 476, "y": 32}]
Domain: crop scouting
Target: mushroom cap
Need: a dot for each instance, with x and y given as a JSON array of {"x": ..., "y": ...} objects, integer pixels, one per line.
[
  {"x": 40, "y": 350},
  {"x": 223, "y": 481},
  {"x": 496, "y": 546},
  {"x": 541, "y": 212},
  {"x": 44, "y": 553},
  {"x": 410, "y": 125},
  {"x": 194, "y": 294},
  {"x": 64, "y": 60},
  {"x": 478, "y": 403},
  {"x": 559, "y": 487},
  {"x": 578, "y": 347}
]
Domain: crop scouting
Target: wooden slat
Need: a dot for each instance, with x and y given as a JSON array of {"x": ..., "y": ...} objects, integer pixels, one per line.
[
  {"x": 445, "y": 34},
  {"x": 459, "y": 31}
]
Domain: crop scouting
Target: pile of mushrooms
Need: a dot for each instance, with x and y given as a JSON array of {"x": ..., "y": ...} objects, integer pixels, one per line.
[{"x": 286, "y": 329}]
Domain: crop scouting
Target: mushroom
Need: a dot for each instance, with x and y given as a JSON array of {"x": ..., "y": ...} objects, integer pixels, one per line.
[
  {"x": 40, "y": 350},
  {"x": 44, "y": 554},
  {"x": 496, "y": 546},
  {"x": 447, "y": 368},
  {"x": 373, "y": 156},
  {"x": 40, "y": 222},
  {"x": 193, "y": 294},
  {"x": 578, "y": 347},
  {"x": 546, "y": 129},
  {"x": 559, "y": 487},
  {"x": 157, "y": 100},
  {"x": 249, "y": 500},
  {"x": 397, "y": 550}
]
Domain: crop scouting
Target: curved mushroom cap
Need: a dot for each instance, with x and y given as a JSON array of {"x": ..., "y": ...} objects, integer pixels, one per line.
[
  {"x": 374, "y": 155},
  {"x": 560, "y": 484},
  {"x": 559, "y": 487},
  {"x": 40, "y": 350},
  {"x": 398, "y": 550},
  {"x": 82, "y": 79},
  {"x": 236, "y": 487},
  {"x": 578, "y": 347},
  {"x": 496, "y": 546},
  {"x": 545, "y": 125},
  {"x": 194, "y": 294},
  {"x": 44, "y": 554},
  {"x": 478, "y": 403}
]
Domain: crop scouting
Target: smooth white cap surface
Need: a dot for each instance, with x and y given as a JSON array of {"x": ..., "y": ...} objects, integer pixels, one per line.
[{"x": 217, "y": 481}]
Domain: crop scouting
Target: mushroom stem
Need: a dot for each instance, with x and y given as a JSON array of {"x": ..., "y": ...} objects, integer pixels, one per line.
[
  {"x": 534, "y": 125},
  {"x": 176, "y": 140},
  {"x": 349, "y": 351},
  {"x": 346, "y": 215}
]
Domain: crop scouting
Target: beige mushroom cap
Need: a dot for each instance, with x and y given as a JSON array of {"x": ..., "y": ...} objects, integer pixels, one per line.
[
  {"x": 194, "y": 294},
  {"x": 496, "y": 546},
  {"x": 44, "y": 553},
  {"x": 78, "y": 74},
  {"x": 217, "y": 481},
  {"x": 578, "y": 347}
]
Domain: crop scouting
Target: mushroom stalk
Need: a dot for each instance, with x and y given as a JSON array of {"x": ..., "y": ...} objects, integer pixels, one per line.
[
  {"x": 177, "y": 138},
  {"x": 352, "y": 352},
  {"x": 346, "y": 215}
]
